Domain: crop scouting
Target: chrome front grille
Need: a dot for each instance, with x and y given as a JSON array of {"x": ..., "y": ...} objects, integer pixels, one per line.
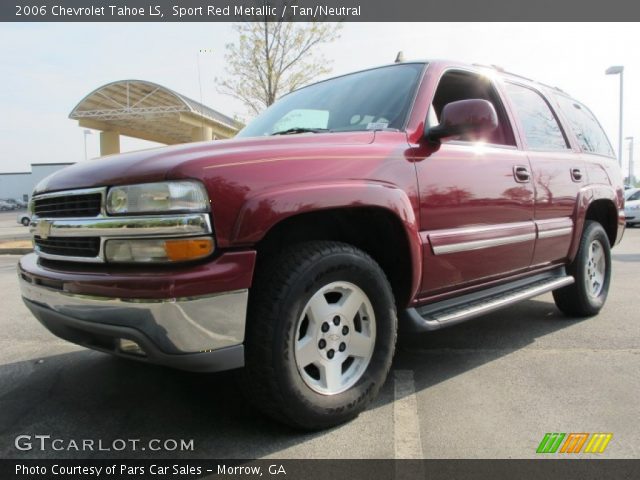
[
  {"x": 69, "y": 247},
  {"x": 72, "y": 226},
  {"x": 68, "y": 206}
]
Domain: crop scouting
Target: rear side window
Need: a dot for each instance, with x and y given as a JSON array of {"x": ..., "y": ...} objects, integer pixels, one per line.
[
  {"x": 541, "y": 128},
  {"x": 590, "y": 135}
]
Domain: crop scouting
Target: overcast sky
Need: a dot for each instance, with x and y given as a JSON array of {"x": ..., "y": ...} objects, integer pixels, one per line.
[{"x": 48, "y": 68}]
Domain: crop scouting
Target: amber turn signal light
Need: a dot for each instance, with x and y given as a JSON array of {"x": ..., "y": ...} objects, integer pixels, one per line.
[{"x": 188, "y": 249}]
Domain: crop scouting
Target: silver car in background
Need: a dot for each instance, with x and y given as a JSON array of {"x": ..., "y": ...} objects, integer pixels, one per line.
[
  {"x": 632, "y": 206},
  {"x": 24, "y": 218}
]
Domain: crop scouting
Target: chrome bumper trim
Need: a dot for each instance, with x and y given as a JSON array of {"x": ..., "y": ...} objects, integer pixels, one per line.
[{"x": 175, "y": 326}]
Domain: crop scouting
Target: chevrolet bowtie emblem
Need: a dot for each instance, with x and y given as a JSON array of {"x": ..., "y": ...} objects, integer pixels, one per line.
[{"x": 43, "y": 229}]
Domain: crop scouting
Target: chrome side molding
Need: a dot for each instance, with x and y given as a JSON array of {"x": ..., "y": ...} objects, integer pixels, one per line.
[
  {"x": 456, "y": 240},
  {"x": 479, "y": 244},
  {"x": 558, "y": 232}
]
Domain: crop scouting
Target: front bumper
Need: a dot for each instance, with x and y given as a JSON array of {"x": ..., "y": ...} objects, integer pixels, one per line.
[{"x": 200, "y": 332}]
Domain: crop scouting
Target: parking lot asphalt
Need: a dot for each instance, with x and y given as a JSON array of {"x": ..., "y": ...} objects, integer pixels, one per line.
[{"x": 489, "y": 388}]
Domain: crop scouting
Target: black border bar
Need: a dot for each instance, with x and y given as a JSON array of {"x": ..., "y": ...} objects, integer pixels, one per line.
[
  {"x": 543, "y": 468},
  {"x": 317, "y": 10}
]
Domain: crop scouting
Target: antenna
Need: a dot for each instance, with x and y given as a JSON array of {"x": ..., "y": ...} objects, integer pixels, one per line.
[
  {"x": 399, "y": 57},
  {"x": 200, "y": 87}
]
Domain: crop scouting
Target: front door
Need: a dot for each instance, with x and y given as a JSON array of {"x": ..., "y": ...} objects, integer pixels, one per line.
[{"x": 476, "y": 198}]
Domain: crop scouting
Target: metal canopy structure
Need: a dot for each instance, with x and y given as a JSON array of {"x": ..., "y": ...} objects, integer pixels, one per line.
[{"x": 149, "y": 111}]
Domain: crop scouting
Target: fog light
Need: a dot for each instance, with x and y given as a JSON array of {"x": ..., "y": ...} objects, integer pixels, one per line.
[
  {"x": 158, "y": 250},
  {"x": 129, "y": 346}
]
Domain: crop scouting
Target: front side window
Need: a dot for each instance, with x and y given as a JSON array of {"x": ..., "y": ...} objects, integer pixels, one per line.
[
  {"x": 591, "y": 137},
  {"x": 540, "y": 126},
  {"x": 371, "y": 100},
  {"x": 462, "y": 85}
]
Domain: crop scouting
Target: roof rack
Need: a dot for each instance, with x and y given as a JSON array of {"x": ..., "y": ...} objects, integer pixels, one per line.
[{"x": 500, "y": 69}]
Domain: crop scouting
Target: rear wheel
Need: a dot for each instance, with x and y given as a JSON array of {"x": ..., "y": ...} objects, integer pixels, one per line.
[
  {"x": 321, "y": 333},
  {"x": 592, "y": 271}
]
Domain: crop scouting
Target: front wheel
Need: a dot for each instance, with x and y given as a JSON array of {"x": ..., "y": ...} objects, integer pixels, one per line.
[
  {"x": 321, "y": 334},
  {"x": 592, "y": 271}
]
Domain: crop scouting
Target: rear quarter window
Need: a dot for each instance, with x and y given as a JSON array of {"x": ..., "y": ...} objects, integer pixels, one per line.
[{"x": 585, "y": 126}]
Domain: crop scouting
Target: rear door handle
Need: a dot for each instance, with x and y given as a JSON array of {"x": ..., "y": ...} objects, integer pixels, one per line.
[
  {"x": 576, "y": 174},
  {"x": 521, "y": 174}
]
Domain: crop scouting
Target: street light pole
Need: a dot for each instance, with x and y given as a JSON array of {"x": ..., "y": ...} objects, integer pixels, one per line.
[
  {"x": 618, "y": 70},
  {"x": 631, "y": 173}
]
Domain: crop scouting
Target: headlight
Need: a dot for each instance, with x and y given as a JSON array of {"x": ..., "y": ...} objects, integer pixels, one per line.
[
  {"x": 158, "y": 250},
  {"x": 179, "y": 196}
]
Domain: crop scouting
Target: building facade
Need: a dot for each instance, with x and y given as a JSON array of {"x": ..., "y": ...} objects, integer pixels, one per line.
[{"x": 20, "y": 185}]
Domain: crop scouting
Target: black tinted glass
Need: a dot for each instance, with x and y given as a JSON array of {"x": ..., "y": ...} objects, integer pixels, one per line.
[
  {"x": 590, "y": 135},
  {"x": 541, "y": 129}
]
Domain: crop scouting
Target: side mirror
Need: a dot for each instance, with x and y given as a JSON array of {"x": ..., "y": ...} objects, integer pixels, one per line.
[{"x": 463, "y": 117}]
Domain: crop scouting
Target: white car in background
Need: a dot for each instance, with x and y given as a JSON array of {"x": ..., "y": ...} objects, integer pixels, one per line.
[
  {"x": 24, "y": 218},
  {"x": 632, "y": 206}
]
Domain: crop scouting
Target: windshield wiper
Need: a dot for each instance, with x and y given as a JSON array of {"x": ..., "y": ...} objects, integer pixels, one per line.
[{"x": 291, "y": 131}]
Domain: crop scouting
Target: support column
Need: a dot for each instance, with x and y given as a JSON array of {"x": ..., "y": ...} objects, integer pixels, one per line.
[
  {"x": 109, "y": 143},
  {"x": 202, "y": 133}
]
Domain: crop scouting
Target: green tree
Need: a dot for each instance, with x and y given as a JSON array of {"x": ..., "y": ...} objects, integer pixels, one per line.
[{"x": 271, "y": 59}]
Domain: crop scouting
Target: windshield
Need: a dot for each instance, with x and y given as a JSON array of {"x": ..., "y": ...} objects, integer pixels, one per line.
[{"x": 371, "y": 100}]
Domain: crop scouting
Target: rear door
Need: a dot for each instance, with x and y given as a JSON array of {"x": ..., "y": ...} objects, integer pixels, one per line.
[{"x": 558, "y": 172}]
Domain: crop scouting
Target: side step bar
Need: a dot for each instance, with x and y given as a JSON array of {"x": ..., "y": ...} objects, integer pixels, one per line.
[{"x": 450, "y": 312}]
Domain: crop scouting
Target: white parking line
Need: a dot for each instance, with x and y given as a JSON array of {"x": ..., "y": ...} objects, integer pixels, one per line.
[{"x": 406, "y": 425}]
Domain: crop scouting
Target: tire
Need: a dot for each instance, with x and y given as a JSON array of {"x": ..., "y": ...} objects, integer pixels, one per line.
[
  {"x": 290, "y": 372},
  {"x": 592, "y": 271},
  {"x": 25, "y": 221}
]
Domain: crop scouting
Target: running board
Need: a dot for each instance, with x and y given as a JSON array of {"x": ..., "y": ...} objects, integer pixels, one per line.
[{"x": 450, "y": 312}]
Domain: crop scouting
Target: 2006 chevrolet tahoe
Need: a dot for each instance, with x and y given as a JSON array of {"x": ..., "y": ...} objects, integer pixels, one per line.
[{"x": 420, "y": 194}]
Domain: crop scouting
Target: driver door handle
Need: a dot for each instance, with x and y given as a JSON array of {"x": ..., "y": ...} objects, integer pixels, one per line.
[
  {"x": 576, "y": 174},
  {"x": 521, "y": 173}
]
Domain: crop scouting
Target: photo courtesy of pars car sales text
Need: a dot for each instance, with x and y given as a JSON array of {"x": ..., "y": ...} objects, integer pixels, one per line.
[
  {"x": 120, "y": 469},
  {"x": 319, "y": 240}
]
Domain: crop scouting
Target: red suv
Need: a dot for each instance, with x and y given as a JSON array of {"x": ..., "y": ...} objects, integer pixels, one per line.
[{"x": 421, "y": 194}]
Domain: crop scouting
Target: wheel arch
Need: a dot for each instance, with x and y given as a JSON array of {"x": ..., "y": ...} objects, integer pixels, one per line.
[
  {"x": 376, "y": 218},
  {"x": 600, "y": 204}
]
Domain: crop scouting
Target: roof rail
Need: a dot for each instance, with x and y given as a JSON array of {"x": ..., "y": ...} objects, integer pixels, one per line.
[{"x": 500, "y": 69}]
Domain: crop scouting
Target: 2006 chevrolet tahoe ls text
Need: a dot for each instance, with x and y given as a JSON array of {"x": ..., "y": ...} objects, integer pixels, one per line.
[{"x": 420, "y": 194}]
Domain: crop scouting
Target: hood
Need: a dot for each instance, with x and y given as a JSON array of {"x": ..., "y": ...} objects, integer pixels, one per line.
[{"x": 166, "y": 163}]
